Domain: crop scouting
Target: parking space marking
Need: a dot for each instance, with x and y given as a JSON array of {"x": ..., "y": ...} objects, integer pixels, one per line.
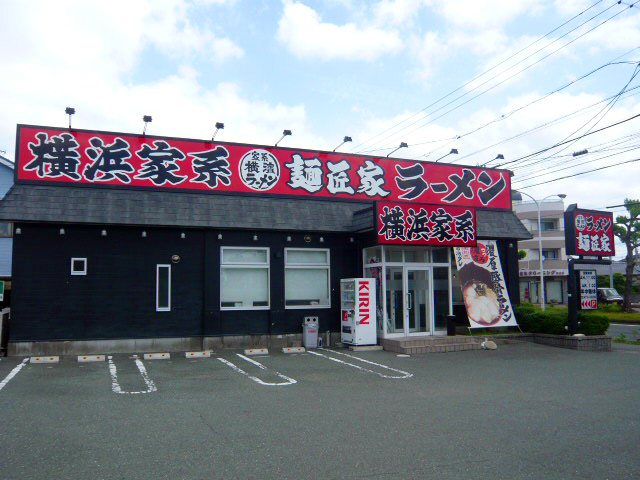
[
  {"x": 235, "y": 368},
  {"x": 13, "y": 373},
  {"x": 115, "y": 386},
  {"x": 337, "y": 360}
]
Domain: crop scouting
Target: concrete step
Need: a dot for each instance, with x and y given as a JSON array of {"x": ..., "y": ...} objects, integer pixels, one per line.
[{"x": 444, "y": 348}]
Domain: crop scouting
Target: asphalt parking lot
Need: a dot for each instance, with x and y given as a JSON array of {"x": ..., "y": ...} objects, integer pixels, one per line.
[{"x": 522, "y": 411}]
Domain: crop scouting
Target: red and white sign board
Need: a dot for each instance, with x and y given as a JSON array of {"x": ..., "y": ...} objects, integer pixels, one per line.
[
  {"x": 47, "y": 155},
  {"x": 589, "y": 232},
  {"x": 484, "y": 290},
  {"x": 420, "y": 224},
  {"x": 358, "y": 311},
  {"x": 588, "y": 290}
]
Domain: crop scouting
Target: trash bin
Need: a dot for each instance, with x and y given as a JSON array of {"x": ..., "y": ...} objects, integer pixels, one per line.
[{"x": 310, "y": 332}]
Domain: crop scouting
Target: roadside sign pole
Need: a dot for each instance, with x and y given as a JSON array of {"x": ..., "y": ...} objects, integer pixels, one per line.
[{"x": 574, "y": 297}]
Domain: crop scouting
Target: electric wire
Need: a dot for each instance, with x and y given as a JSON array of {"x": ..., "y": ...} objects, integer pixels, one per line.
[
  {"x": 506, "y": 79},
  {"x": 582, "y": 173},
  {"x": 602, "y": 113},
  {"x": 480, "y": 75}
]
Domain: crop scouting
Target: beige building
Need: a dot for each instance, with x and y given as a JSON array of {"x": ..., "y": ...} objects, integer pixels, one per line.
[{"x": 553, "y": 251}]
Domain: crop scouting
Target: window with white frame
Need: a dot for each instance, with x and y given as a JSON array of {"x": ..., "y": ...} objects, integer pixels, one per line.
[
  {"x": 78, "y": 266},
  {"x": 163, "y": 288},
  {"x": 244, "y": 278},
  {"x": 307, "y": 278}
]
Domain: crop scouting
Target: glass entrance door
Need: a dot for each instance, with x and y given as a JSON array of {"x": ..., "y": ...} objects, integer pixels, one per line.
[
  {"x": 394, "y": 292},
  {"x": 418, "y": 300}
]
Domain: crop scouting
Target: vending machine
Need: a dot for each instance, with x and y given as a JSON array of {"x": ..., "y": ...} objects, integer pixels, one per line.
[{"x": 358, "y": 311}]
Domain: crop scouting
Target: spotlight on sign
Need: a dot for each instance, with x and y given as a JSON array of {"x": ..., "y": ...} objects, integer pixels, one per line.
[
  {"x": 219, "y": 126},
  {"x": 498, "y": 157},
  {"x": 454, "y": 151},
  {"x": 70, "y": 111},
  {"x": 344, "y": 140},
  {"x": 402, "y": 145},
  {"x": 147, "y": 120},
  {"x": 285, "y": 133}
]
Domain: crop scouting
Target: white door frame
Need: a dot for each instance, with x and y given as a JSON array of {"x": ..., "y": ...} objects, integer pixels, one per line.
[{"x": 405, "y": 288}]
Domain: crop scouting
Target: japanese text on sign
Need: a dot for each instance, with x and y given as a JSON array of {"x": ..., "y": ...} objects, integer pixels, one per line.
[
  {"x": 419, "y": 224},
  {"x": 56, "y": 155},
  {"x": 588, "y": 290},
  {"x": 591, "y": 232}
]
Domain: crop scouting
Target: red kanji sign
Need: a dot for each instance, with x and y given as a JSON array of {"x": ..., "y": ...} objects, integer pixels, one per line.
[
  {"x": 84, "y": 157},
  {"x": 589, "y": 232},
  {"x": 419, "y": 224}
]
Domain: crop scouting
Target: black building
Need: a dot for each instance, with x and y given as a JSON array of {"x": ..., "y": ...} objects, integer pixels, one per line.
[{"x": 101, "y": 267}]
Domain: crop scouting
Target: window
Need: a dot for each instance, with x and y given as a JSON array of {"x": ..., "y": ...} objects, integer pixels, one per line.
[
  {"x": 244, "y": 278},
  {"x": 163, "y": 288},
  {"x": 306, "y": 278},
  {"x": 548, "y": 225},
  {"x": 78, "y": 266},
  {"x": 6, "y": 230},
  {"x": 551, "y": 254}
]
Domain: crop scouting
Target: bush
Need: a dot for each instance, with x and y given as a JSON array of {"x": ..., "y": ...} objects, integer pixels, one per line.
[
  {"x": 532, "y": 319},
  {"x": 593, "y": 324},
  {"x": 613, "y": 307}
]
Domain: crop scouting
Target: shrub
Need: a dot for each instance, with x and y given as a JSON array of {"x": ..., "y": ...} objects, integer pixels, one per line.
[
  {"x": 613, "y": 307},
  {"x": 554, "y": 324},
  {"x": 533, "y": 320},
  {"x": 593, "y": 324}
]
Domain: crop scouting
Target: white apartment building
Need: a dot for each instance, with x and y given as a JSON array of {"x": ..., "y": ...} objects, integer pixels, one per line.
[{"x": 554, "y": 256}]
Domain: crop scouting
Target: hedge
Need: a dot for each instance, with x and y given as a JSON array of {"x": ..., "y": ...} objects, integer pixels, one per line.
[{"x": 554, "y": 321}]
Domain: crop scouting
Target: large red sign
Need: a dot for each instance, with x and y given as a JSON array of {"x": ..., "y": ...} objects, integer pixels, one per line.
[
  {"x": 419, "y": 224},
  {"x": 82, "y": 157},
  {"x": 589, "y": 232}
]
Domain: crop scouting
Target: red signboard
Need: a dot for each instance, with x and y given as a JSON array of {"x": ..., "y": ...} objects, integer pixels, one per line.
[
  {"x": 589, "y": 232},
  {"x": 81, "y": 157},
  {"x": 419, "y": 224}
]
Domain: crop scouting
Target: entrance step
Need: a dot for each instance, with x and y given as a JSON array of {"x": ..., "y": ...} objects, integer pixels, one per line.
[{"x": 431, "y": 344}]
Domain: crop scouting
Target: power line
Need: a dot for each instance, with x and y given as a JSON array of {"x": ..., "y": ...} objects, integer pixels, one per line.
[
  {"x": 550, "y": 172},
  {"x": 582, "y": 173},
  {"x": 480, "y": 75},
  {"x": 567, "y": 141},
  {"x": 504, "y": 71},
  {"x": 545, "y": 125},
  {"x": 607, "y": 107}
]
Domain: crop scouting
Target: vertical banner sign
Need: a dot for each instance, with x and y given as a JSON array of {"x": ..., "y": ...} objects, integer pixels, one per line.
[
  {"x": 588, "y": 290},
  {"x": 483, "y": 287},
  {"x": 589, "y": 232}
]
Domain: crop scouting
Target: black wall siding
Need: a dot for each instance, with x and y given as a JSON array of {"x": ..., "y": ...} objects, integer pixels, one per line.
[{"x": 116, "y": 299}]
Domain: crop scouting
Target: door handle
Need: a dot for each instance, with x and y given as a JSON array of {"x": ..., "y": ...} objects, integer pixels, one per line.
[{"x": 409, "y": 301}]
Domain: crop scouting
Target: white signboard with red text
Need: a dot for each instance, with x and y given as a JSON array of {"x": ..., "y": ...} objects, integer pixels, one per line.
[
  {"x": 358, "y": 311},
  {"x": 588, "y": 290},
  {"x": 483, "y": 287}
]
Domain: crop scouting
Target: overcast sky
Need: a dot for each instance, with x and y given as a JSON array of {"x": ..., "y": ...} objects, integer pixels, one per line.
[{"x": 374, "y": 70}]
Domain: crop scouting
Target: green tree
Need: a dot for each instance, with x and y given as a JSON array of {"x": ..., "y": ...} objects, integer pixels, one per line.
[
  {"x": 627, "y": 229},
  {"x": 618, "y": 281},
  {"x": 522, "y": 254}
]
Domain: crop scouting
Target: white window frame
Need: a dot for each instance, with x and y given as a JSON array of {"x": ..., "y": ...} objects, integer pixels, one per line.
[
  {"x": 158, "y": 307},
  {"x": 326, "y": 266},
  {"x": 266, "y": 266},
  {"x": 79, "y": 272}
]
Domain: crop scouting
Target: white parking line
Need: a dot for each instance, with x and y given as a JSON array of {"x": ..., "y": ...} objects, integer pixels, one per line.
[
  {"x": 235, "y": 368},
  {"x": 13, "y": 373},
  {"x": 115, "y": 386},
  {"x": 333, "y": 359}
]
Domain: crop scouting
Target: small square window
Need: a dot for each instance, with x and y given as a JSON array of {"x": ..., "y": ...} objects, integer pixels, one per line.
[{"x": 78, "y": 266}]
